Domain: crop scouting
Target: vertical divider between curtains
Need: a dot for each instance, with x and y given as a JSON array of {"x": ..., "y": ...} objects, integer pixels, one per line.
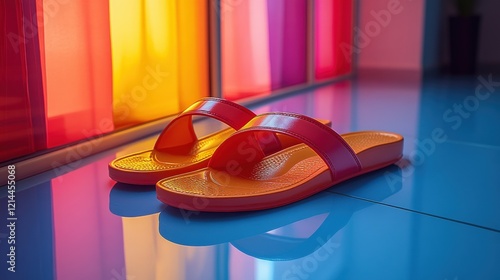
[{"x": 215, "y": 46}]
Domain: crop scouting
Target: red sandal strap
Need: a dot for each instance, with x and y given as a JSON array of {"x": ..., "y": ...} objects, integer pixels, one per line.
[
  {"x": 329, "y": 145},
  {"x": 180, "y": 131}
]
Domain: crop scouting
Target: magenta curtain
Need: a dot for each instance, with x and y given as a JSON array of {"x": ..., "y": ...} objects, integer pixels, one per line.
[{"x": 287, "y": 42}]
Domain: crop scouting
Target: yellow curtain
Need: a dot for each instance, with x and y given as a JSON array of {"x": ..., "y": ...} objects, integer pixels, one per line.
[{"x": 159, "y": 57}]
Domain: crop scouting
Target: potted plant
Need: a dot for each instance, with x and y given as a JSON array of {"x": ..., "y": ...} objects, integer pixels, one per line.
[{"x": 464, "y": 35}]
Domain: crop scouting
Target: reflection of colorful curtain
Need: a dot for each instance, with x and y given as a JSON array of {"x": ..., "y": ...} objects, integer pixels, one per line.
[
  {"x": 88, "y": 241},
  {"x": 333, "y": 102},
  {"x": 156, "y": 258}
]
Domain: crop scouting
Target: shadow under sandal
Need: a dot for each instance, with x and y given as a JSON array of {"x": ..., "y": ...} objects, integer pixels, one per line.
[{"x": 246, "y": 173}]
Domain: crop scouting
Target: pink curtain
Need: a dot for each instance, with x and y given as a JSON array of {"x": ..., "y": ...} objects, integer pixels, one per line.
[{"x": 245, "y": 49}]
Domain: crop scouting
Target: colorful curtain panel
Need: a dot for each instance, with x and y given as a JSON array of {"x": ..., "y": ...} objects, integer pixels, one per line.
[
  {"x": 264, "y": 46},
  {"x": 88, "y": 235},
  {"x": 160, "y": 57},
  {"x": 264, "y": 43},
  {"x": 333, "y": 37},
  {"x": 72, "y": 70},
  {"x": 22, "y": 107},
  {"x": 76, "y": 50}
]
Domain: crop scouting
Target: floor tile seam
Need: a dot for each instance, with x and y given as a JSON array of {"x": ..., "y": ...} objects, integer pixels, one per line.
[
  {"x": 474, "y": 144},
  {"x": 461, "y": 142},
  {"x": 417, "y": 212}
]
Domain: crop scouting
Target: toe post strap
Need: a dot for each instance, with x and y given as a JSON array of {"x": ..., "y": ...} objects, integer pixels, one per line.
[
  {"x": 329, "y": 145},
  {"x": 180, "y": 131}
]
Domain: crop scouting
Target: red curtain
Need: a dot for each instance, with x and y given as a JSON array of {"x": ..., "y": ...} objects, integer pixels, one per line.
[
  {"x": 22, "y": 119},
  {"x": 333, "y": 33}
]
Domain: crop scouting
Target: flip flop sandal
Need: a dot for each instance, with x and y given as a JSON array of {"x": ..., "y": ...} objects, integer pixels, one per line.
[
  {"x": 250, "y": 172},
  {"x": 178, "y": 150}
]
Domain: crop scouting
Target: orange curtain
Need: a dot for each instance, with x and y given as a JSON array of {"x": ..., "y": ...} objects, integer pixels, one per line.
[{"x": 77, "y": 55}]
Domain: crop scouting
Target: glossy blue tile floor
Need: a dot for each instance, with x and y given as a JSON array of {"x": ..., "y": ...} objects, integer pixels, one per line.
[{"x": 434, "y": 215}]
